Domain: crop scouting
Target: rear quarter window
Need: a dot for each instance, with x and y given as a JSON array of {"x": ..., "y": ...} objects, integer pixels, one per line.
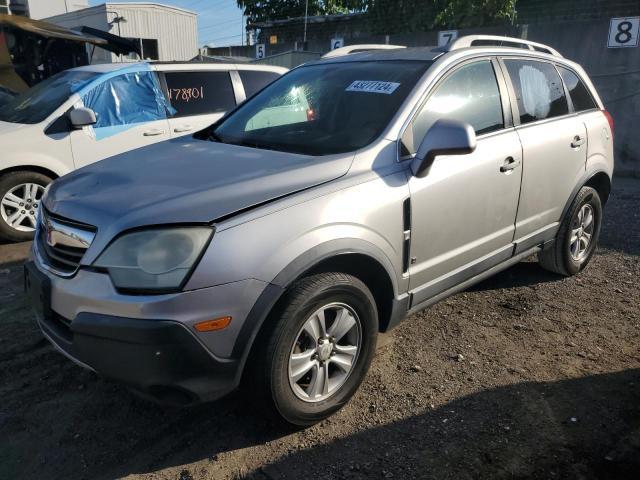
[
  {"x": 578, "y": 91},
  {"x": 254, "y": 80},
  {"x": 200, "y": 93}
]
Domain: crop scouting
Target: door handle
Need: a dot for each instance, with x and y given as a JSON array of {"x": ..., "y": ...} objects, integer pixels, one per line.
[
  {"x": 577, "y": 141},
  {"x": 153, "y": 132},
  {"x": 183, "y": 128},
  {"x": 510, "y": 163}
]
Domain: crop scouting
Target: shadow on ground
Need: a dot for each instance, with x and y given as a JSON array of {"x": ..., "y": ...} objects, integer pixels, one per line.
[{"x": 587, "y": 428}]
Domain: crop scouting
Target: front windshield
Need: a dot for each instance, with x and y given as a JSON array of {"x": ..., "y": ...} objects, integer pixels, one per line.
[
  {"x": 323, "y": 109},
  {"x": 40, "y": 101}
]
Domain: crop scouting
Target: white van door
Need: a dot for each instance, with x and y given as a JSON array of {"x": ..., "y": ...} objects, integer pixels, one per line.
[
  {"x": 199, "y": 97},
  {"x": 131, "y": 112}
]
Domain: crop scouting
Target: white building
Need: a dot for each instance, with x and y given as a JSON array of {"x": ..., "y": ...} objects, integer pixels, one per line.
[
  {"x": 39, "y": 9},
  {"x": 164, "y": 32}
]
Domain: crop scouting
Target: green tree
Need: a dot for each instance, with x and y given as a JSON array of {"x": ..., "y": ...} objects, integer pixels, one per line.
[
  {"x": 262, "y": 10},
  {"x": 394, "y": 16}
]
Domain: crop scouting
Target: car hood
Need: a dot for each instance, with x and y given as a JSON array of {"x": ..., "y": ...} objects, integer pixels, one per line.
[
  {"x": 184, "y": 181},
  {"x": 10, "y": 128}
]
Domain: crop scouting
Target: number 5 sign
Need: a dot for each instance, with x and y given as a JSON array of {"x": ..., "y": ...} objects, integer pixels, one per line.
[{"x": 623, "y": 32}]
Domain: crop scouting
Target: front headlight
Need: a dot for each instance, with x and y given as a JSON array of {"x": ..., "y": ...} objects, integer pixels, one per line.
[{"x": 154, "y": 260}]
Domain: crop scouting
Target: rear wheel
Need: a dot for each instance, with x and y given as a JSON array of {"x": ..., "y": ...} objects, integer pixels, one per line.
[
  {"x": 20, "y": 195},
  {"x": 318, "y": 350},
  {"x": 577, "y": 236}
]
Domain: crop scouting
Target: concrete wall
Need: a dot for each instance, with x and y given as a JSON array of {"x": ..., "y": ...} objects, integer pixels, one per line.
[{"x": 39, "y": 9}]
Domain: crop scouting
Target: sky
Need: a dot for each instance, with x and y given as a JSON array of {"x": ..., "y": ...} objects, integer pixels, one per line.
[{"x": 220, "y": 22}]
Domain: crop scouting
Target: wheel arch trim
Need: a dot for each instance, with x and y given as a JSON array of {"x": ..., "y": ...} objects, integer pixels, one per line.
[{"x": 305, "y": 262}]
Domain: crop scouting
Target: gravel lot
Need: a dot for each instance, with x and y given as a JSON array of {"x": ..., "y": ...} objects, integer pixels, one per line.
[{"x": 526, "y": 375}]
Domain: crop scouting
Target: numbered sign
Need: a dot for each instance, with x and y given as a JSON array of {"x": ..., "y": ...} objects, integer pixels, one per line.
[
  {"x": 445, "y": 37},
  {"x": 623, "y": 32},
  {"x": 337, "y": 43},
  {"x": 260, "y": 51}
]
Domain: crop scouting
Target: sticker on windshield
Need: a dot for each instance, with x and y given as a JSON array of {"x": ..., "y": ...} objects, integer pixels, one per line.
[{"x": 373, "y": 86}]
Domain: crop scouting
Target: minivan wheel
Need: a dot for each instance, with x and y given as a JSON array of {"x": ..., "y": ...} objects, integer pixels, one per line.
[
  {"x": 319, "y": 349},
  {"x": 20, "y": 195},
  {"x": 577, "y": 236}
]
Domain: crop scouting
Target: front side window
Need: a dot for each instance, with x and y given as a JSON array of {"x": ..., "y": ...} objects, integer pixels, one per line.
[
  {"x": 40, "y": 101},
  {"x": 538, "y": 88},
  {"x": 200, "y": 93},
  {"x": 127, "y": 99},
  {"x": 580, "y": 96},
  {"x": 323, "y": 109},
  {"x": 470, "y": 94}
]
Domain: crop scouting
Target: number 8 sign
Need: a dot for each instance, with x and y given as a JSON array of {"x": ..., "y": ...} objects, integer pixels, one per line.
[{"x": 623, "y": 32}]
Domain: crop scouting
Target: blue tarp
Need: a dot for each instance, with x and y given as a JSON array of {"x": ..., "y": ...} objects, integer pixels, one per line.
[{"x": 123, "y": 100}]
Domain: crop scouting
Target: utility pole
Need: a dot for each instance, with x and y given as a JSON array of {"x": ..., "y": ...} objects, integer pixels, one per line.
[{"x": 306, "y": 16}]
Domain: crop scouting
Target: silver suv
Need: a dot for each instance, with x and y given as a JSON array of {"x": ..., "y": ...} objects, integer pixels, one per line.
[{"x": 272, "y": 247}]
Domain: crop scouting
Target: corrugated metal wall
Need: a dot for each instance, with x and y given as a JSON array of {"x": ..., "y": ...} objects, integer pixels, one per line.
[{"x": 176, "y": 30}]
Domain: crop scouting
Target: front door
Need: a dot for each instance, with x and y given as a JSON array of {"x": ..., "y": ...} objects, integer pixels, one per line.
[
  {"x": 554, "y": 145},
  {"x": 131, "y": 113},
  {"x": 463, "y": 211}
]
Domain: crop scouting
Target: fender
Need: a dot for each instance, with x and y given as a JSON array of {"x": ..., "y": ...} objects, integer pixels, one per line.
[
  {"x": 303, "y": 263},
  {"x": 583, "y": 181}
]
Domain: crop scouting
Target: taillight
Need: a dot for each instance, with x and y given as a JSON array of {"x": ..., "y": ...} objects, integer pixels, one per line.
[
  {"x": 609, "y": 119},
  {"x": 311, "y": 115}
]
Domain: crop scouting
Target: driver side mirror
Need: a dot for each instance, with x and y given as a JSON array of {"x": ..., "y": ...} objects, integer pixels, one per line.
[
  {"x": 445, "y": 137},
  {"x": 82, "y": 117}
]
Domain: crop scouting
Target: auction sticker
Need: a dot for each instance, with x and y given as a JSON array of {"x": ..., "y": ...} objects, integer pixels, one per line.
[{"x": 373, "y": 86}]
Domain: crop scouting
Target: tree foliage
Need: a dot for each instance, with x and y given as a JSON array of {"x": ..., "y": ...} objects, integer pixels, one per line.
[
  {"x": 262, "y": 10},
  {"x": 393, "y": 16}
]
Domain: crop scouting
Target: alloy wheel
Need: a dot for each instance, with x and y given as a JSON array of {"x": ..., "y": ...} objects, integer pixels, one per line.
[
  {"x": 325, "y": 352},
  {"x": 19, "y": 206},
  {"x": 582, "y": 232}
]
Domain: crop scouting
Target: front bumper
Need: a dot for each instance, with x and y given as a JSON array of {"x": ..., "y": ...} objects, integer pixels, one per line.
[{"x": 153, "y": 349}]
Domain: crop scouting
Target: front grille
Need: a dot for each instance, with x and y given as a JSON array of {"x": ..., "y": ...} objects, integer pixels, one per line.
[{"x": 62, "y": 243}]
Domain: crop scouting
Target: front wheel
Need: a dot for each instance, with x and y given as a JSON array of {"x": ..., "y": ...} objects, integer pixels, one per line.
[
  {"x": 577, "y": 236},
  {"x": 318, "y": 350},
  {"x": 20, "y": 196}
]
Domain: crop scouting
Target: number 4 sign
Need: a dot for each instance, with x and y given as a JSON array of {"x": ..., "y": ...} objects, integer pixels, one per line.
[{"x": 623, "y": 32}]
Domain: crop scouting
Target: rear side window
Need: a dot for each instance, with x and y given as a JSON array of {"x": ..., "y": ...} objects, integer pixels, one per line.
[
  {"x": 200, "y": 93},
  {"x": 538, "y": 88},
  {"x": 580, "y": 96},
  {"x": 470, "y": 94},
  {"x": 255, "y": 81}
]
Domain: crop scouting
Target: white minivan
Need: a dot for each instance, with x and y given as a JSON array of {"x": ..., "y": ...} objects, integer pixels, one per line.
[{"x": 89, "y": 113}]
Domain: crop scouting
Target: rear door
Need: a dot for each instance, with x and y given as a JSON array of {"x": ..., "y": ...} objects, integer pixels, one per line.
[
  {"x": 199, "y": 97},
  {"x": 131, "y": 112},
  {"x": 554, "y": 144}
]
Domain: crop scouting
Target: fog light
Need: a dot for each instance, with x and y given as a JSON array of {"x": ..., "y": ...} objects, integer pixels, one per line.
[{"x": 211, "y": 325}]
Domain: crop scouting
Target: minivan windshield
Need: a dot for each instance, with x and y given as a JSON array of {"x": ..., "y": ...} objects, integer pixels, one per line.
[
  {"x": 322, "y": 109},
  {"x": 40, "y": 101}
]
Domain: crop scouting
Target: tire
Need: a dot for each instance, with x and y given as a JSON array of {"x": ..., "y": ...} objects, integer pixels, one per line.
[
  {"x": 287, "y": 336},
  {"x": 15, "y": 182},
  {"x": 559, "y": 258}
]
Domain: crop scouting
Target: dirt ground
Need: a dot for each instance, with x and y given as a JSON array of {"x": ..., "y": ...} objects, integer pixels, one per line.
[{"x": 527, "y": 375}]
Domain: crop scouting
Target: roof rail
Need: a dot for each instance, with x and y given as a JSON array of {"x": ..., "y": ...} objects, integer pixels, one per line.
[
  {"x": 339, "y": 52},
  {"x": 469, "y": 40}
]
